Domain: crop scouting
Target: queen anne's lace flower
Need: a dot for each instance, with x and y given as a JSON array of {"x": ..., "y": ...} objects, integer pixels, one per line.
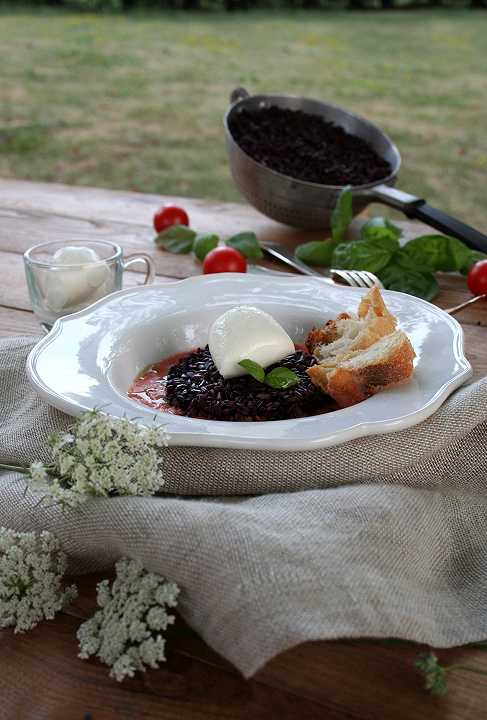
[
  {"x": 124, "y": 633},
  {"x": 101, "y": 456},
  {"x": 31, "y": 571}
]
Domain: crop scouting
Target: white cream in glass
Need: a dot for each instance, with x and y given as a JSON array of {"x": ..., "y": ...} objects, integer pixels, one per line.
[{"x": 63, "y": 278}]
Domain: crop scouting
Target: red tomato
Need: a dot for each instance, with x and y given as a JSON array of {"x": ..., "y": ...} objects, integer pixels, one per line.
[
  {"x": 224, "y": 259},
  {"x": 170, "y": 215},
  {"x": 477, "y": 278}
]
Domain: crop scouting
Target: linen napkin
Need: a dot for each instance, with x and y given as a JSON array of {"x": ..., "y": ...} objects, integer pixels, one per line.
[{"x": 380, "y": 537}]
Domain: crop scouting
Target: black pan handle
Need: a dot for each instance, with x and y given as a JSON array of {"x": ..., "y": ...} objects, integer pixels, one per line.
[{"x": 419, "y": 209}]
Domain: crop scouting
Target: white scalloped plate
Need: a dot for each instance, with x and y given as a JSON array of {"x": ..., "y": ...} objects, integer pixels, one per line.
[{"x": 90, "y": 358}]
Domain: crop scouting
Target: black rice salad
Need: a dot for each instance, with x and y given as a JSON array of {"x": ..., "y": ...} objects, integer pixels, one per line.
[{"x": 195, "y": 386}]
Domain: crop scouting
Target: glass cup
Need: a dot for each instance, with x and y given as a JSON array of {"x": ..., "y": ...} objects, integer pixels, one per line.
[{"x": 66, "y": 277}]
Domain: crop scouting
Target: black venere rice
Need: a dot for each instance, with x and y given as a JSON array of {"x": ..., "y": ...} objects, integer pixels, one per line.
[{"x": 195, "y": 386}]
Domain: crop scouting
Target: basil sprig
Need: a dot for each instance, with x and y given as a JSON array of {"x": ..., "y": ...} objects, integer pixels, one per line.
[
  {"x": 181, "y": 240},
  {"x": 342, "y": 215},
  {"x": 247, "y": 244},
  {"x": 254, "y": 369},
  {"x": 178, "y": 239},
  {"x": 320, "y": 252},
  {"x": 409, "y": 268},
  {"x": 280, "y": 378},
  {"x": 316, "y": 252},
  {"x": 203, "y": 244}
]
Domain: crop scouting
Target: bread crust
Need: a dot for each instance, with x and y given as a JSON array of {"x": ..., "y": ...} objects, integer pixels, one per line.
[{"x": 348, "y": 386}]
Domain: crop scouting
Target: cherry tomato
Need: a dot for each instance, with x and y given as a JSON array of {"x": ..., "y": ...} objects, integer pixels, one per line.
[
  {"x": 170, "y": 215},
  {"x": 477, "y": 278},
  {"x": 224, "y": 259}
]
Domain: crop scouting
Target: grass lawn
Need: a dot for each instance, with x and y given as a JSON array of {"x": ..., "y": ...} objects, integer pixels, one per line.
[{"x": 135, "y": 102}]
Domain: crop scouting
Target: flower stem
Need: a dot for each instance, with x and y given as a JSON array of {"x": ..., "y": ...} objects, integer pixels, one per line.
[
  {"x": 468, "y": 668},
  {"x": 17, "y": 468}
]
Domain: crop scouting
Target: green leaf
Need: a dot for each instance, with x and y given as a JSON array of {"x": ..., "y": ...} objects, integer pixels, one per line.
[
  {"x": 281, "y": 378},
  {"x": 247, "y": 244},
  {"x": 342, "y": 214},
  {"x": 203, "y": 244},
  {"x": 254, "y": 369},
  {"x": 316, "y": 252},
  {"x": 440, "y": 252},
  {"x": 379, "y": 228},
  {"x": 423, "y": 285},
  {"x": 434, "y": 674},
  {"x": 371, "y": 255},
  {"x": 404, "y": 260},
  {"x": 177, "y": 239}
]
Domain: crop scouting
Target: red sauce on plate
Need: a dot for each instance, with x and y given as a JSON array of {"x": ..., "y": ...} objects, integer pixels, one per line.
[{"x": 150, "y": 387}]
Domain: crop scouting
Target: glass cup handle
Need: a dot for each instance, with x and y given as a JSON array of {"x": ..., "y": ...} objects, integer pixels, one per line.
[{"x": 150, "y": 270}]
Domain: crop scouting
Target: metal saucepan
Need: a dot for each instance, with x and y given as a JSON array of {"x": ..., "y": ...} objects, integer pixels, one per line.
[{"x": 309, "y": 205}]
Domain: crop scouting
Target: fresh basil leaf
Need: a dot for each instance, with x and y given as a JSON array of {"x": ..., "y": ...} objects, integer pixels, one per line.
[
  {"x": 281, "y": 378},
  {"x": 440, "y": 253},
  {"x": 176, "y": 239},
  {"x": 254, "y": 369},
  {"x": 371, "y": 255},
  {"x": 203, "y": 244},
  {"x": 421, "y": 284},
  {"x": 316, "y": 252},
  {"x": 247, "y": 244},
  {"x": 342, "y": 214},
  {"x": 404, "y": 260},
  {"x": 380, "y": 228}
]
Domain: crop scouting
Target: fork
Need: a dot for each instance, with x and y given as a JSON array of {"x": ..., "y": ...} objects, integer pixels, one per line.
[{"x": 353, "y": 278}]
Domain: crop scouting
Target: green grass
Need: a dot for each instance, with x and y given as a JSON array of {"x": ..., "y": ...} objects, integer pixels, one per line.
[{"x": 136, "y": 102}]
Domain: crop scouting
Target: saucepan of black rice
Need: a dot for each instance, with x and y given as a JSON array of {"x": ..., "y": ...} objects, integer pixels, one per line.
[{"x": 290, "y": 157}]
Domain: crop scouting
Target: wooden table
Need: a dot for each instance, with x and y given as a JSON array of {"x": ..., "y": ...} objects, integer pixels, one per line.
[{"x": 40, "y": 675}]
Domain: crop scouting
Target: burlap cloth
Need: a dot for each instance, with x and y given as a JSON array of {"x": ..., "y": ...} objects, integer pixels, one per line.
[{"x": 382, "y": 537}]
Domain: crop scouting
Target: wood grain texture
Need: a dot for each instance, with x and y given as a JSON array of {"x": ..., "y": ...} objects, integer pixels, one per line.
[
  {"x": 42, "y": 679},
  {"x": 350, "y": 680},
  {"x": 17, "y": 322}
]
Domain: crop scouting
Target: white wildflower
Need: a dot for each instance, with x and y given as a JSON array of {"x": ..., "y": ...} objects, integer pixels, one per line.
[
  {"x": 31, "y": 571},
  {"x": 123, "y": 667},
  {"x": 125, "y": 633},
  {"x": 38, "y": 472},
  {"x": 101, "y": 456}
]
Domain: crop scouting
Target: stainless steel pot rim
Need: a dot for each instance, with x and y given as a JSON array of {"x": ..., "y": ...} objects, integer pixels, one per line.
[{"x": 316, "y": 186}]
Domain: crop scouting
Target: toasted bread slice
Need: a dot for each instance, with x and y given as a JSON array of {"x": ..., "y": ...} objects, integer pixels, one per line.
[
  {"x": 359, "y": 356},
  {"x": 362, "y": 373}
]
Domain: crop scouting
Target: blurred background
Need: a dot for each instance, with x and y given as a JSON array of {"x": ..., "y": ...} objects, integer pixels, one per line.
[{"x": 115, "y": 94}]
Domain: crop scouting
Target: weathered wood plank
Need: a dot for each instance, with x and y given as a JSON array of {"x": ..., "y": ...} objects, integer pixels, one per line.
[
  {"x": 378, "y": 681},
  {"x": 42, "y": 677},
  {"x": 13, "y": 289},
  {"x": 17, "y": 322},
  {"x": 365, "y": 679},
  {"x": 99, "y": 205},
  {"x": 351, "y": 679},
  {"x": 20, "y": 230}
]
